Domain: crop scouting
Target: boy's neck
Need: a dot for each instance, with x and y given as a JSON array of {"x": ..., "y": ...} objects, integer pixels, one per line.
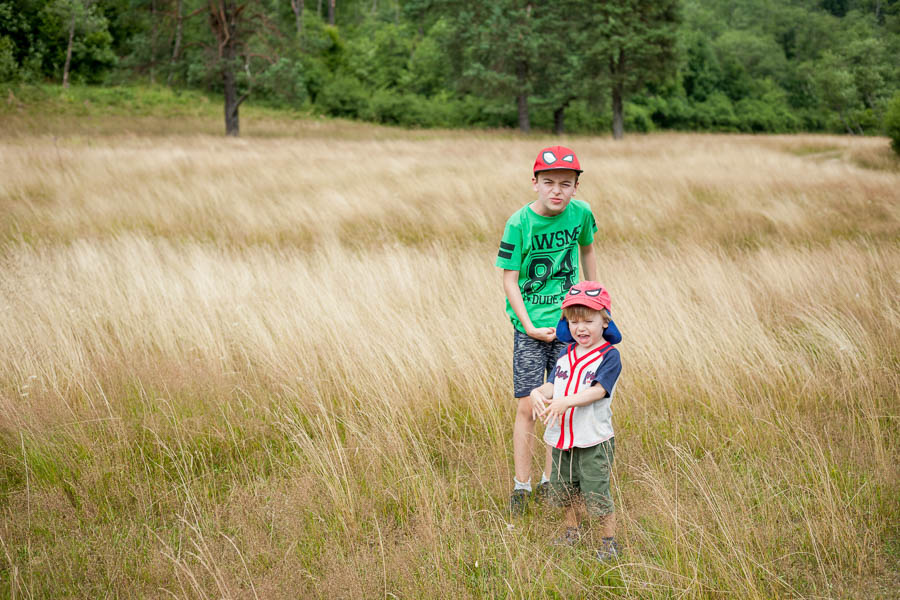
[
  {"x": 582, "y": 350},
  {"x": 536, "y": 209}
]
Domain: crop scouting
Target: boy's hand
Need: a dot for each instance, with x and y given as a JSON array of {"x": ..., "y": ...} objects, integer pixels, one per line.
[
  {"x": 545, "y": 334},
  {"x": 538, "y": 404},
  {"x": 554, "y": 411}
]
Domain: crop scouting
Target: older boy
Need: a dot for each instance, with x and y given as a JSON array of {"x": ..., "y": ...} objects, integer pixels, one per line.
[
  {"x": 574, "y": 404},
  {"x": 539, "y": 255}
]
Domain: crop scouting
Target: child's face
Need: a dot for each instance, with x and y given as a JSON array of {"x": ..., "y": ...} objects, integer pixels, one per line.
[
  {"x": 588, "y": 329},
  {"x": 554, "y": 189}
]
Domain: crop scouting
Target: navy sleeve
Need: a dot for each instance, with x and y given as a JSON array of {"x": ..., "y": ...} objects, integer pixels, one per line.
[
  {"x": 611, "y": 334},
  {"x": 552, "y": 376},
  {"x": 609, "y": 370}
]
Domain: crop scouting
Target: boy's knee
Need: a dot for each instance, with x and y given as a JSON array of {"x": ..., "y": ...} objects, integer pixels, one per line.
[{"x": 524, "y": 408}]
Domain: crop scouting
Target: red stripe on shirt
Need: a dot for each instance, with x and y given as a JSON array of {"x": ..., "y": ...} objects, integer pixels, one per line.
[
  {"x": 562, "y": 432},
  {"x": 594, "y": 354}
]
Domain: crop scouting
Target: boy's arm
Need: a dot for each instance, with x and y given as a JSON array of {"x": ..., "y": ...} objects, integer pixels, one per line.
[
  {"x": 540, "y": 396},
  {"x": 588, "y": 262},
  {"x": 514, "y": 294},
  {"x": 556, "y": 408},
  {"x": 604, "y": 381}
]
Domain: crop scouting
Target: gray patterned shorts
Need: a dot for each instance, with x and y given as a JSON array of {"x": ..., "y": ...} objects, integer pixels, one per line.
[{"x": 533, "y": 360}]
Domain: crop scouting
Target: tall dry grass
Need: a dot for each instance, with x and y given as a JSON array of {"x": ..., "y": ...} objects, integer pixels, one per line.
[{"x": 280, "y": 367}]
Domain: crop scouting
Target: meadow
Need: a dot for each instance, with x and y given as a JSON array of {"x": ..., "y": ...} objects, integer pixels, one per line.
[{"x": 279, "y": 366}]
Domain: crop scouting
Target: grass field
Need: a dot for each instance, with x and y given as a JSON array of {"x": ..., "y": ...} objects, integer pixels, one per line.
[{"x": 279, "y": 366}]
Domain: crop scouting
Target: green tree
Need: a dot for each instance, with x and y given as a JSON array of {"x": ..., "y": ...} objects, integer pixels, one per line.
[
  {"x": 235, "y": 27},
  {"x": 559, "y": 68},
  {"x": 633, "y": 43},
  {"x": 428, "y": 71},
  {"x": 16, "y": 36},
  {"x": 379, "y": 54},
  {"x": 701, "y": 74},
  {"x": 836, "y": 88},
  {"x": 499, "y": 48},
  {"x": 892, "y": 122},
  {"x": 79, "y": 27}
]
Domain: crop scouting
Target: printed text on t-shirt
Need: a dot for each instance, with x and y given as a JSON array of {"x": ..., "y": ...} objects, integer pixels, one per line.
[{"x": 557, "y": 239}]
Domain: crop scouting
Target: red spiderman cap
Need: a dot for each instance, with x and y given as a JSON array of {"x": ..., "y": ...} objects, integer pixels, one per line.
[
  {"x": 557, "y": 157},
  {"x": 587, "y": 293}
]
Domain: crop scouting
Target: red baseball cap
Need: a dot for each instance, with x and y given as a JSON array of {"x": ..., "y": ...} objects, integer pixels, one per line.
[
  {"x": 588, "y": 293},
  {"x": 556, "y": 158}
]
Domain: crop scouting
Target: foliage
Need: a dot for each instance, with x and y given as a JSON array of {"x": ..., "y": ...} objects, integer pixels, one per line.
[
  {"x": 428, "y": 72},
  {"x": 631, "y": 44},
  {"x": 892, "y": 122},
  {"x": 710, "y": 65},
  {"x": 342, "y": 96},
  {"x": 283, "y": 83},
  {"x": 35, "y": 38},
  {"x": 9, "y": 70}
]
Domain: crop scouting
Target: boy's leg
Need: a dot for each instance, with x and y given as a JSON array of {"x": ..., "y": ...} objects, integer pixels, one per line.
[
  {"x": 548, "y": 462},
  {"x": 575, "y": 511},
  {"x": 607, "y": 525},
  {"x": 529, "y": 368},
  {"x": 564, "y": 492},
  {"x": 555, "y": 348},
  {"x": 523, "y": 439},
  {"x": 594, "y": 469}
]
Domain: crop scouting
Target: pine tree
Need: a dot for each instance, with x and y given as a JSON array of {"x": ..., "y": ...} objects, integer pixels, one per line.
[{"x": 631, "y": 43}]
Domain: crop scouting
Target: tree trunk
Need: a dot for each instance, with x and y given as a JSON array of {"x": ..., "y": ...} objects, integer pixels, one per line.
[
  {"x": 232, "y": 103},
  {"x": 618, "y": 112},
  {"x": 522, "y": 97},
  {"x": 844, "y": 121},
  {"x": 69, "y": 52},
  {"x": 154, "y": 34},
  {"x": 176, "y": 49},
  {"x": 297, "y": 6},
  {"x": 331, "y": 8},
  {"x": 224, "y": 20},
  {"x": 559, "y": 120},
  {"x": 524, "y": 121}
]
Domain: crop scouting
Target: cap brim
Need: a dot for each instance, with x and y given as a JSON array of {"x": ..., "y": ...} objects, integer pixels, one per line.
[{"x": 579, "y": 171}]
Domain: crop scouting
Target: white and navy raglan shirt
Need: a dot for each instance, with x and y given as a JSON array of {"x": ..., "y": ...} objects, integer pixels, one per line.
[{"x": 584, "y": 426}]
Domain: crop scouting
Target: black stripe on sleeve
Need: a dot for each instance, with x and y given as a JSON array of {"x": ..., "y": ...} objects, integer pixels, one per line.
[
  {"x": 505, "y": 246},
  {"x": 503, "y": 254}
]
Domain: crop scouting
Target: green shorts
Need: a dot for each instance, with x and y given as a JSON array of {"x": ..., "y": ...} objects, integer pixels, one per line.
[{"x": 584, "y": 471}]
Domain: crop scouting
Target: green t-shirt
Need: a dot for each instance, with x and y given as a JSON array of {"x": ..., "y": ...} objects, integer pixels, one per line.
[{"x": 544, "y": 250}]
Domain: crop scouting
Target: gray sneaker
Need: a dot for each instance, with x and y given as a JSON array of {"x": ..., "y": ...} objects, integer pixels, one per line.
[
  {"x": 518, "y": 500},
  {"x": 609, "y": 550}
]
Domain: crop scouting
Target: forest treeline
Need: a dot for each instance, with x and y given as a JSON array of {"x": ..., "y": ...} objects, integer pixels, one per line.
[{"x": 568, "y": 65}]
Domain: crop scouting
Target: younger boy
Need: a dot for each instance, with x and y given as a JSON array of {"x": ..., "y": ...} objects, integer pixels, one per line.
[
  {"x": 574, "y": 404},
  {"x": 539, "y": 255}
]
